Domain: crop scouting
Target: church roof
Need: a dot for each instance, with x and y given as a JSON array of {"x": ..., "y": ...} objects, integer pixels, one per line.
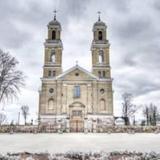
[
  {"x": 99, "y": 23},
  {"x": 54, "y": 22},
  {"x": 74, "y": 68}
]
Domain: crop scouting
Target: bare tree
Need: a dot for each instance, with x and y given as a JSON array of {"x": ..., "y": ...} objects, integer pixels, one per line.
[
  {"x": 25, "y": 112},
  {"x": 151, "y": 114},
  {"x": 2, "y": 118},
  {"x": 11, "y": 79},
  {"x": 146, "y": 114},
  {"x": 128, "y": 108}
]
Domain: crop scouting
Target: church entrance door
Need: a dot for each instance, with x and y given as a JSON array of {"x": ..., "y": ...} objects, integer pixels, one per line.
[
  {"x": 77, "y": 126},
  {"x": 77, "y": 117}
]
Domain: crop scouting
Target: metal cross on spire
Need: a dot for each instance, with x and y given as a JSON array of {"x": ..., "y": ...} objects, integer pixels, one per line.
[
  {"x": 76, "y": 63},
  {"x": 55, "y": 12},
  {"x": 99, "y": 16}
]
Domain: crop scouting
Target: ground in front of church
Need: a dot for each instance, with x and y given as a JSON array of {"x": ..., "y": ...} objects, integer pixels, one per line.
[{"x": 79, "y": 142}]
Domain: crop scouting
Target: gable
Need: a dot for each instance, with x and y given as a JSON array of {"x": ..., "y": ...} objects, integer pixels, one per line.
[{"x": 77, "y": 73}]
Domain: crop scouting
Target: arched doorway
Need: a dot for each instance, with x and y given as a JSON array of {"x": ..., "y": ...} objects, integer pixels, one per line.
[{"x": 76, "y": 117}]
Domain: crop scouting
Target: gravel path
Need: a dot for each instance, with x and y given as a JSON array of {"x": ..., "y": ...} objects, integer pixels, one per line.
[{"x": 53, "y": 143}]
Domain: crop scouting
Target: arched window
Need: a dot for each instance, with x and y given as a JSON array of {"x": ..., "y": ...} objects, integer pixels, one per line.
[
  {"x": 53, "y": 56},
  {"x": 77, "y": 91},
  {"x": 102, "y": 105},
  {"x": 49, "y": 73},
  {"x": 100, "y": 36},
  {"x": 50, "y": 104},
  {"x": 101, "y": 56},
  {"x": 54, "y": 73},
  {"x": 99, "y": 74},
  {"x": 53, "y": 35}
]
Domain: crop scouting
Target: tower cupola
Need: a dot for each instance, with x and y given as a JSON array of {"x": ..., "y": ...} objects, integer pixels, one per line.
[
  {"x": 99, "y": 30},
  {"x": 54, "y": 28}
]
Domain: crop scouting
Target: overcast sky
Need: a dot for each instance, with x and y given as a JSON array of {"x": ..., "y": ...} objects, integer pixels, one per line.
[{"x": 133, "y": 32}]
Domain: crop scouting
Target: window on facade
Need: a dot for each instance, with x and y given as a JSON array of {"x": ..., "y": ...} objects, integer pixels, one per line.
[
  {"x": 51, "y": 90},
  {"x": 49, "y": 73},
  {"x": 99, "y": 74},
  {"x": 53, "y": 35},
  {"x": 102, "y": 91},
  {"x": 77, "y": 113},
  {"x": 76, "y": 74},
  {"x": 50, "y": 104},
  {"x": 104, "y": 74},
  {"x": 100, "y": 36},
  {"x": 101, "y": 56},
  {"x": 54, "y": 73},
  {"x": 77, "y": 92},
  {"x": 102, "y": 105},
  {"x": 53, "y": 56}
]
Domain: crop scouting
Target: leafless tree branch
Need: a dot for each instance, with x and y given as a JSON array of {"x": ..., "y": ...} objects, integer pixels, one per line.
[{"x": 11, "y": 79}]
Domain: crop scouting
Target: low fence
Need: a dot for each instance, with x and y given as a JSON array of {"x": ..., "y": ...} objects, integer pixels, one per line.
[{"x": 55, "y": 129}]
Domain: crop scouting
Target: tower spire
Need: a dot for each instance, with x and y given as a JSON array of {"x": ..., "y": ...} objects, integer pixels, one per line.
[
  {"x": 55, "y": 14},
  {"x": 99, "y": 16}
]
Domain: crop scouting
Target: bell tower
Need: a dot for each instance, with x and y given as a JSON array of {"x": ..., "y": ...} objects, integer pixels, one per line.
[
  {"x": 53, "y": 50},
  {"x": 100, "y": 50}
]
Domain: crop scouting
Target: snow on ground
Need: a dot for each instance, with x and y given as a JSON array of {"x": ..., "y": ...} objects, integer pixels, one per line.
[{"x": 79, "y": 142}]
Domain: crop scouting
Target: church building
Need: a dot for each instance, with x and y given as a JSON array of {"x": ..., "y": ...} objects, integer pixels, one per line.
[{"x": 76, "y": 100}]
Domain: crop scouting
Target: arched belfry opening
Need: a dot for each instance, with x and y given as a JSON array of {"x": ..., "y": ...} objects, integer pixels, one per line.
[
  {"x": 100, "y": 35},
  {"x": 53, "y": 35}
]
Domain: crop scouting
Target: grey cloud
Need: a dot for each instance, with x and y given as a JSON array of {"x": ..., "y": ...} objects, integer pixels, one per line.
[
  {"x": 156, "y": 5},
  {"x": 119, "y": 6},
  {"x": 133, "y": 31},
  {"x": 137, "y": 84},
  {"x": 11, "y": 37}
]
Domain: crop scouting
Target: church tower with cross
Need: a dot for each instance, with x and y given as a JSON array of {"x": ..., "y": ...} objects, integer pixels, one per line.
[
  {"x": 76, "y": 100},
  {"x": 53, "y": 50},
  {"x": 100, "y": 50}
]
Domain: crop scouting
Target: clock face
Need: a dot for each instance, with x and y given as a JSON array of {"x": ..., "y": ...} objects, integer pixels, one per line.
[
  {"x": 51, "y": 90},
  {"x": 102, "y": 91}
]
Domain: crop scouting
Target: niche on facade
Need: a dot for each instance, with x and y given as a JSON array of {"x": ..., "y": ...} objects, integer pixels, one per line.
[{"x": 53, "y": 56}]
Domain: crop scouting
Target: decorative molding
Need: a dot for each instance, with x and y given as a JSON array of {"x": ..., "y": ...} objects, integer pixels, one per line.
[{"x": 74, "y": 68}]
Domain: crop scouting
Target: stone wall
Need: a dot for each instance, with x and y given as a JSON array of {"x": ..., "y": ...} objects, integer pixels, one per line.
[{"x": 62, "y": 129}]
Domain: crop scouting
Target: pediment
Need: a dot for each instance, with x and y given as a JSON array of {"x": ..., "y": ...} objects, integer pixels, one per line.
[{"x": 77, "y": 73}]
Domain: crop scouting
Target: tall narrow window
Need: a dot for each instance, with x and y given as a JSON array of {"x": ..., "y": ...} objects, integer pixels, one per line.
[
  {"x": 53, "y": 35},
  {"x": 102, "y": 105},
  {"x": 77, "y": 92},
  {"x": 99, "y": 74},
  {"x": 54, "y": 73},
  {"x": 101, "y": 56},
  {"x": 100, "y": 36},
  {"x": 49, "y": 73},
  {"x": 50, "y": 104},
  {"x": 104, "y": 74},
  {"x": 53, "y": 56}
]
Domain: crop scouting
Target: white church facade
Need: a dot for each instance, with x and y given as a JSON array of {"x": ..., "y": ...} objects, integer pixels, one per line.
[{"x": 76, "y": 100}]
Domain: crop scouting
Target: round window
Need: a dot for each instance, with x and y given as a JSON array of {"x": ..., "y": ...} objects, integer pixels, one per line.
[
  {"x": 51, "y": 90},
  {"x": 102, "y": 91},
  {"x": 76, "y": 74}
]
